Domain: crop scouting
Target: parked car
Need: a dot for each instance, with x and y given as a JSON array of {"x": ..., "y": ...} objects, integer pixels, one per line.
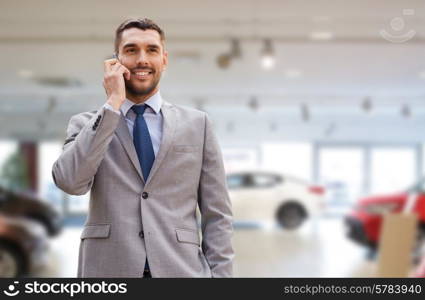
[
  {"x": 23, "y": 246},
  {"x": 23, "y": 205},
  {"x": 271, "y": 196},
  {"x": 364, "y": 221}
]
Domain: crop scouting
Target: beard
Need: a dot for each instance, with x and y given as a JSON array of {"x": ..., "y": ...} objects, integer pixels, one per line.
[{"x": 136, "y": 91}]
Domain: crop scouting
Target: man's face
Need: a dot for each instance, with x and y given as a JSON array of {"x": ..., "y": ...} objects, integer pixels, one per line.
[{"x": 142, "y": 52}]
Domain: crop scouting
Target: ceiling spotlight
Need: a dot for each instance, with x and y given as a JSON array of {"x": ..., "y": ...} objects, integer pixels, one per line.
[
  {"x": 367, "y": 104},
  {"x": 268, "y": 59},
  {"x": 305, "y": 113},
  {"x": 224, "y": 60},
  {"x": 253, "y": 103},
  {"x": 405, "y": 111},
  {"x": 235, "y": 50},
  {"x": 330, "y": 129},
  {"x": 41, "y": 124},
  {"x": 51, "y": 104}
]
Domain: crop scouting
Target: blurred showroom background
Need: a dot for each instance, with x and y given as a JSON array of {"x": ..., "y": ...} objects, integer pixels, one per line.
[{"x": 317, "y": 105}]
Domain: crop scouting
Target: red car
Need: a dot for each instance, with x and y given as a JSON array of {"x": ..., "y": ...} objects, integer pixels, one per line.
[{"x": 364, "y": 221}]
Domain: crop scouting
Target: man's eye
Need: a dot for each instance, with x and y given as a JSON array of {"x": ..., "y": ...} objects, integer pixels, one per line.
[
  {"x": 131, "y": 50},
  {"x": 153, "y": 50}
]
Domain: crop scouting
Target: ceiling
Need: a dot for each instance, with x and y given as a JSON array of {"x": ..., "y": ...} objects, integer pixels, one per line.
[{"x": 67, "y": 43}]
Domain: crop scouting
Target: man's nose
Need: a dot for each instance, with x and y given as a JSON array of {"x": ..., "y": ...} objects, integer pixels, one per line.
[{"x": 142, "y": 57}]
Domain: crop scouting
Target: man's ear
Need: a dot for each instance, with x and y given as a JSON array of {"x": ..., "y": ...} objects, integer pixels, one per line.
[{"x": 165, "y": 59}]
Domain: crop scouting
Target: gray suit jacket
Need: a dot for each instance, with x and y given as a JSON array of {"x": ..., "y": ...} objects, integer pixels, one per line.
[{"x": 129, "y": 218}]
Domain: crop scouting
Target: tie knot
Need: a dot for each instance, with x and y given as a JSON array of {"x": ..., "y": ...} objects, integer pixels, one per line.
[{"x": 139, "y": 109}]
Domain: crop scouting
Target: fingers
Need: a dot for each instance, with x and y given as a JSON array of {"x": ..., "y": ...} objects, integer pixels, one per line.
[
  {"x": 123, "y": 70},
  {"x": 113, "y": 65},
  {"x": 126, "y": 73},
  {"x": 116, "y": 67},
  {"x": 107, "y": 64}
]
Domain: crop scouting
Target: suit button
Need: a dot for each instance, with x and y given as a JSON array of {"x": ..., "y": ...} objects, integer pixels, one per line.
[
  {"x": 145, "y": 195},
  {"x": 142, "y": 234}
]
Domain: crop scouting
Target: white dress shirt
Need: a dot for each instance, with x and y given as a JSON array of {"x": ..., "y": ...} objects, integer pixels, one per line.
[{"x": 152, "y": 115}]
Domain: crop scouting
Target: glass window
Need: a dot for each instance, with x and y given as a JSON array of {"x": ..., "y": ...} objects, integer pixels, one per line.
[
  {"x": 237, "y": 159},
  {"x": 342, "y": 173},
  {"x": 7, "y": 148},
  {"x": 235, "y": 181},
  {"x": 264, "y": 180},
  {"x": 422, "y": 186},
  {"x": 293, "y": 159},
  {"x": 48, "y": 153},
  {"x": 418, "y": 187},
  {"x": 393, "y": 169}
]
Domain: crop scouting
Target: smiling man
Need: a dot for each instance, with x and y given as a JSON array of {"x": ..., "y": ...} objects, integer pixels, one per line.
[{"x": 148, "y": 164}]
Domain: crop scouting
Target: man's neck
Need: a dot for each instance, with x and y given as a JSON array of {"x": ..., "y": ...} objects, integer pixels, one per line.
[{"x": 142, "y": 98}]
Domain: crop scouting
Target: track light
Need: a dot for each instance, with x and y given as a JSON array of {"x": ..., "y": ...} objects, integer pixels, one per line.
[
  {"x": 235, "y": 50},
  {"x": 268, "y": 59},
  {"x": 305, "y": 113},
  {"x": 253, "y": 103},
  {"x": 367, "y": 105},
  {"x": 225, "y": 59},
  {"x": 405, "y": 111},
  {"x": 273, "y": 126}
]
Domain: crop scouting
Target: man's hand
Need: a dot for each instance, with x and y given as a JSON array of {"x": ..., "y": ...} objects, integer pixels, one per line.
[{"x": 113, "y": 82}]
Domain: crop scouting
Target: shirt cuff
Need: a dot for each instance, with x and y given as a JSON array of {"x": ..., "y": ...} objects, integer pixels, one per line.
[{"x": 108, "y": 106}]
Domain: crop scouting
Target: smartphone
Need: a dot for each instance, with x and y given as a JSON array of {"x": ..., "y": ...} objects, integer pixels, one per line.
[{"x": 116, "y": 57}]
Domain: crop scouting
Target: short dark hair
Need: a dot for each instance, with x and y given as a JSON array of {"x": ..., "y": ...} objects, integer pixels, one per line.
[{"x": 143, "y": 24}]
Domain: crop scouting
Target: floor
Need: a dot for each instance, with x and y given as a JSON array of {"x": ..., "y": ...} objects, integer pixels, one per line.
[{"x": 318, "y": 249}]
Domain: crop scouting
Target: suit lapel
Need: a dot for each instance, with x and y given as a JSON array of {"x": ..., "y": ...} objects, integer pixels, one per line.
[
  {"x": 127, "y": 142},
  {"x": 168, "y": 128},
  {"x": 169, "y": 124}
]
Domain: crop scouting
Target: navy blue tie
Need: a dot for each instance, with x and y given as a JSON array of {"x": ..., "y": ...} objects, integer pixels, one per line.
[
  {"x": 143, "y": 144},
  {"x": 142, "y": 141}
]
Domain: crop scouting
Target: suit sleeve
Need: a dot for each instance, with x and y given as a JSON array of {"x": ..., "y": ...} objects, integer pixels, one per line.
[
  {"x": 86, "y": 143},
  {"x": 215, "y": 208}
]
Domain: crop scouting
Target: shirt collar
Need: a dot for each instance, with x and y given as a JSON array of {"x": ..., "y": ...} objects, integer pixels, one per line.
[{"x": 154, "y": 102}]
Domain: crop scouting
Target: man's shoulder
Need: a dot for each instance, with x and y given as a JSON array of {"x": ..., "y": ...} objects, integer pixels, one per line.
[
  {"x": 83, "y": 117},
  {"x": 186, "y": 111}
]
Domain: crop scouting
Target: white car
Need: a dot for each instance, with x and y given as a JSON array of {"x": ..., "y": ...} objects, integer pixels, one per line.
[{"x": 270, "y": 196}]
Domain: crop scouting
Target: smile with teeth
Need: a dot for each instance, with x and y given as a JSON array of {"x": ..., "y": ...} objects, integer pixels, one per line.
[{"x": 142, "y": 74}]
